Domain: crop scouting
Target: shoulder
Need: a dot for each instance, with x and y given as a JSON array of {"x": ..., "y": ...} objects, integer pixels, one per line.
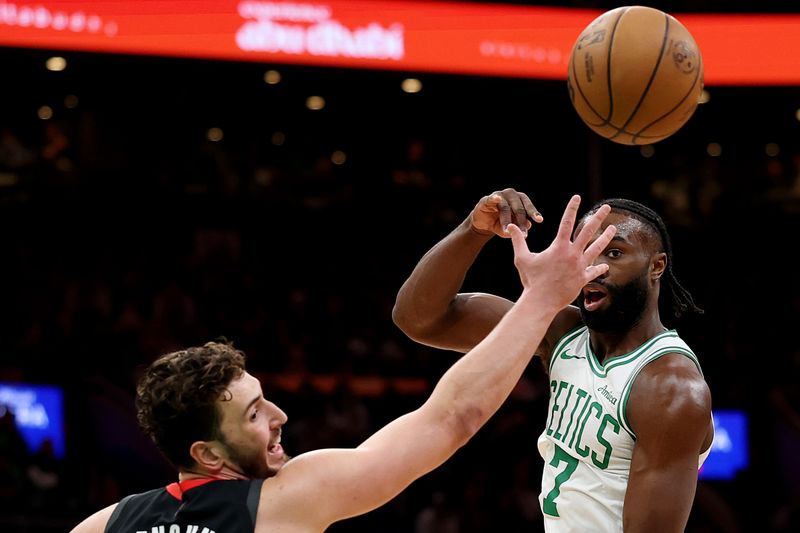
[
  {"x": 565, "y": 321},
  {"x": 673, "y": 378},
  {"x": 284, "y": 498},
  {"x": 97, "y": 522},
  {"x": 669, "y": 394}
]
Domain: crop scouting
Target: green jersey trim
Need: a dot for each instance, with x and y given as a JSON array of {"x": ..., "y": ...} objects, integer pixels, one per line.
[
  {"x": 567, "y": 338},
  {"x": 622, "y": 408},
  {"x": 601, "y": 370}
]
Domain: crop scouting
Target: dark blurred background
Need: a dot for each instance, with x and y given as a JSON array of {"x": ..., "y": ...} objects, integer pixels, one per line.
[{"x": 147, "y": 204}]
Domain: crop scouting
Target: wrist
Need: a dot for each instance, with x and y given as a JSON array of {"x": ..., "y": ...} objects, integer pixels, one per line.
[
  {"x": 485, "y": 233},
  {"x": 533, "y": 303}
]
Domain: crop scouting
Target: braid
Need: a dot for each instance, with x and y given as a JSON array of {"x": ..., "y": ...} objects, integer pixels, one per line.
[{"x": 680, "y": 298}]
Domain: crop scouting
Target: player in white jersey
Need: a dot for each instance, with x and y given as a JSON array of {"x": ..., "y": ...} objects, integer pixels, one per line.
[{"x": 629, "y": 419}]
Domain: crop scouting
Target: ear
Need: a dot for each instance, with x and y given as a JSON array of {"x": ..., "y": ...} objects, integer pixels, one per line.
[
  {"x": 658, "y": 266},
  {"x": 208, "y": 455}
]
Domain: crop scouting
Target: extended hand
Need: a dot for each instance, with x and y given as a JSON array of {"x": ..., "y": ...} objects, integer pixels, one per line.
[{"x": 557, "y": 274}]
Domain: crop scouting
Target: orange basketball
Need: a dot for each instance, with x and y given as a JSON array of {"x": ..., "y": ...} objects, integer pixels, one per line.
[{"x": 635, "y": 75}]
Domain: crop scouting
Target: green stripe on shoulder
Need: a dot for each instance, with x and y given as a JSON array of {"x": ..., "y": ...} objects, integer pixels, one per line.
[{"x": 622, "y": 407}]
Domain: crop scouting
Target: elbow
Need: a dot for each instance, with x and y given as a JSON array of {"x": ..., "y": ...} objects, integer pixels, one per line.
[
  {"x": 409, "y": 323},
  {"x": 429, "y": 323},
  {"x": 401, "y": 319}
]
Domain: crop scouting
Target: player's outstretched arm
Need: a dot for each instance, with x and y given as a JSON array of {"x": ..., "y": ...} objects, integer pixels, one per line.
[
  {"x": 429, "y": 308},
  {"x": 345, "y": 483}
]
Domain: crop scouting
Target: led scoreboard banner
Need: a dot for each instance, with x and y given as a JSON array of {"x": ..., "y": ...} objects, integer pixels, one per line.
[{"x": 448, "y": 37}]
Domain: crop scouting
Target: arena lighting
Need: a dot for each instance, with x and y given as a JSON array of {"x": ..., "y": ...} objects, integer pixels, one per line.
[
  {"x": 772, "y": 149},
  {"x": 647, "y": 150},
  {"x": 315, "y": 103},
  {"x": 272, "y": 77},
  {"x": 411, "y": 85},
  {"x": 338, "y": 157},
  {"x": 56, "y": 64},
  {"x": 214, "y": 134},
  {"x": 448, "y": 37},
  {"x": 45, "y": 112},
  {"x": 704, "y": 97},
  {"x": 714, "y": 149},
  {"x": 71, "y": 101},
  {"x": 278, "y": 138}
]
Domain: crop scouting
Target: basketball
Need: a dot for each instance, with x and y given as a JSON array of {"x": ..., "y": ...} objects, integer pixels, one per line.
[{"x": 635, "y": 75}]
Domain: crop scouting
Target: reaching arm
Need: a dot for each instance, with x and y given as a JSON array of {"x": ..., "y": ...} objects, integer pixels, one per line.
[
  {"x": 345, "y": 483},
  {"x": 429, "y": 308},
  {"x": 670, "y": 412}
]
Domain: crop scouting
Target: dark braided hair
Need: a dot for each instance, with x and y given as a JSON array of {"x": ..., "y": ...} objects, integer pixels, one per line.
[{"x": 680, "y": 299}]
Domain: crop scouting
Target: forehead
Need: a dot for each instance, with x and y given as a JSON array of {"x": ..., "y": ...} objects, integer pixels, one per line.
[
  {"x": 240, "y": 392},
  {"x": 629, "y": 228}
]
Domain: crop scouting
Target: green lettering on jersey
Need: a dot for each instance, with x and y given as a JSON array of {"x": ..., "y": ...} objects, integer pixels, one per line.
[
  {"x": 585, "y": 451},
  {"x": 581, "y": 394},
  {"x": 603, "y": 464},
  {"x": 558, "y": 435},
  {"x": 580, "y": 416},
  {"x": 556, "y": 407}
]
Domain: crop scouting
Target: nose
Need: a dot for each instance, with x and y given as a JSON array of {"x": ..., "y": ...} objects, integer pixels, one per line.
[{"x": 278, "y": 417}]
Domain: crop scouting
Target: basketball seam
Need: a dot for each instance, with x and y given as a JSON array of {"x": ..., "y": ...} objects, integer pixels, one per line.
[
  {"x": 580, "y": 90},
  {"x": 665, "y": 115},
  {"x": 608, "y": 67},
  {"x": 649, "y": 82}
]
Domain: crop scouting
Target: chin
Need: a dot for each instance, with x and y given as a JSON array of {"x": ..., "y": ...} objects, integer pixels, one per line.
[{"x": 273, "y": 467}]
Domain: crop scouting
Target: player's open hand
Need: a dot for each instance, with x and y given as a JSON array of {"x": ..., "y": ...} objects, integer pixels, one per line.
[
  {"x": 495, "y": 212},
  {"x": 556, "y": 275}
]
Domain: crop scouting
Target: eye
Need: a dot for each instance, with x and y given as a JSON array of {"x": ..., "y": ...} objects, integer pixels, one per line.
[
  {"x": 254, "y": 415},
  {"x": 614, "y": 253}
]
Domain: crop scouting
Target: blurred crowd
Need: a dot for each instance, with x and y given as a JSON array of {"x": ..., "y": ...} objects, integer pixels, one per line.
[{"x": 130, "y": 229}]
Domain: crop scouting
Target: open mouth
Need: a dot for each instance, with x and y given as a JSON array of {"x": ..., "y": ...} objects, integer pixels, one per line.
[
  {"x": 593, "y": 297},
  {"x": 275, "y": 447}
]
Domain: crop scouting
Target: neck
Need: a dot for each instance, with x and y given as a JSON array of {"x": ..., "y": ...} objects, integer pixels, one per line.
[
  {"x": 612, "y": 344},
  {"x": 225, "y": 472}
]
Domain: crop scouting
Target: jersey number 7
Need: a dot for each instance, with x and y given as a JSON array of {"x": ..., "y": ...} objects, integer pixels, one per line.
[{"x": 549, "y": 505}]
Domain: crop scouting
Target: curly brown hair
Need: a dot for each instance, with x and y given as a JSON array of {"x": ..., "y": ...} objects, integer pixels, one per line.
[{"x": 176, "y": 397}]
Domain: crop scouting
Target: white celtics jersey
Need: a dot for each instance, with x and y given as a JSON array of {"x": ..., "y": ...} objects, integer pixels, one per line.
[{"x": 587, "y": 443}]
